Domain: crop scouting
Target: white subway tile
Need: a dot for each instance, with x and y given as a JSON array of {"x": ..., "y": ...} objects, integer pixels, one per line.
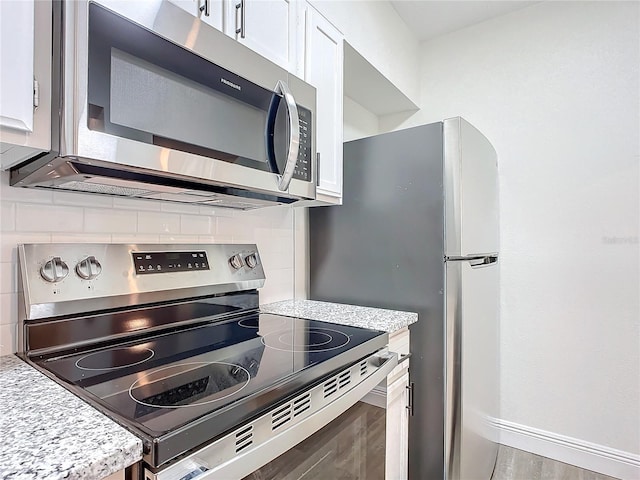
[
  {"x": 171, "y": 207},
  {"x": 26, "y": 195},
  {"x": 52, "y": 218},
  {"x": 7, "y": 216},
  {"x": 282, "y": 233},
  {"x": 161, "y": 223},
  {"x": 195, "y": 224},
  {"x": 80, "y": 238},
  {"x": 109, "y": 220},
  {"x": 8, "y": 308},
  {"x": 9, "y": 242},
  {"x": 240, "y": 230},
  {"x": 8, "y": 339},
  {"x": 215, "y": 239},
  {"x": 8, "y": 277},
  {"x": 273, "y": 262},
  {"x": 278, "y": 286},
  {"x": 136, "y": 204},
  {"x": 279, "y": 246},
  {"x": 135, "y": 238},
  {"x": 82, "y": 199},
  {"x": 210, "y": 211},
  {"x": 173, "y": 239}
]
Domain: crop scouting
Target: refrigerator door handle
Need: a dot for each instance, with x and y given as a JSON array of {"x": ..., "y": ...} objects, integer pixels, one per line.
[{"x": 483, "y": 262}]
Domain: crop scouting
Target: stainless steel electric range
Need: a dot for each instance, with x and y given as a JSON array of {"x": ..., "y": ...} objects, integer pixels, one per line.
[{"x": 168, "y": 340}]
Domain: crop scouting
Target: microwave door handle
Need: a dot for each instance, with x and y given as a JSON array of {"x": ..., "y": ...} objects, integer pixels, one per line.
[
  {"x": 270, "y": 132},
  {"x": 294, "y": 136}
]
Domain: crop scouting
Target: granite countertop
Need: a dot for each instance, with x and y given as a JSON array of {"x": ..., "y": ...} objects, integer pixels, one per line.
[
  {"x": 49, "y": 433},
  {"x": 343, "y": 314}
]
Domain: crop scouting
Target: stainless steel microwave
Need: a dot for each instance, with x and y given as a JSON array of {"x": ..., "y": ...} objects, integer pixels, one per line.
[{"x": 150, "y": 102}]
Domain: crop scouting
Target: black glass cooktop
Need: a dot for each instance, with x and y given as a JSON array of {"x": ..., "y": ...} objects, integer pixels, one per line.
[{"x": 228, "y": 371}]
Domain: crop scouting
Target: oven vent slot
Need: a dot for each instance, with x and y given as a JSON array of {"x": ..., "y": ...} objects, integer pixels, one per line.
[
  {"x": 301, "y": 404},
  {"x": 244, "y": 438},
  {"x": 344, "y": 379},
  {"x": 281, "y": 416},
  {"x": 363, "y": 368},
  {"x": 330, "y": 387}
]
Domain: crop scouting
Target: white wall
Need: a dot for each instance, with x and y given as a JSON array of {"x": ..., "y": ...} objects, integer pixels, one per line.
[
  {"x": 34, "y": 216},
  {"x": 555, "y": 87},
  {"x": 378, "y": 33},
  {"x": 358, "y": 122}
]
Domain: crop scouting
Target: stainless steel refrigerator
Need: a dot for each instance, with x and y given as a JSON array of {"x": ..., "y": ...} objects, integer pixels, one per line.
[{"x": 418, "y": 231}]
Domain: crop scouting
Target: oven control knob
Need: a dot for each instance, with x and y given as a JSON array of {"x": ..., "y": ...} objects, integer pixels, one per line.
[
  {"x": 251, "y": 260},
  {"x": 236, "y": 261},
  {"x": 88, "y": 268},
  {"x": 54, "y": 270}
]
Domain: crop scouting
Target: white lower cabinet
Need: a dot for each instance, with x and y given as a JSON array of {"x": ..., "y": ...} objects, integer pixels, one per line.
[
  {"x": 323, "y": 68},
  {"x": 397, "y": 442},
  {"x": 397, "y": 406},
  {"x": 394, "y": 396}
]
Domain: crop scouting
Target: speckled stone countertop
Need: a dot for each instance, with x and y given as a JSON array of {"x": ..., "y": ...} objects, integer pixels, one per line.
[
  {"x": 46, "y": 432},
  {"x": 375, "y": 318}
]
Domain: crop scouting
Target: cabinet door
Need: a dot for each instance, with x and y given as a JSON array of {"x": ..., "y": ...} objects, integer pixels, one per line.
[
  {"x": 209, "y": 11},
  {"x": 324, "y": 70},
  {"x": 397, "y": 449},
  {"x": 16, "y": 65},
  {"x": 25, "y": 54},
  {"x": 265, "y": 26}
]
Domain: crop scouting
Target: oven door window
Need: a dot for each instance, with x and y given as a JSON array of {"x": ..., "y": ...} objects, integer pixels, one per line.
[
  {"x": 145, "y": 88},
  {"x": 351, "y": 447}
]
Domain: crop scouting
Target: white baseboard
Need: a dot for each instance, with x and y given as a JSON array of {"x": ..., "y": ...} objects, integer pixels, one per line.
[
  {"x": 583, "y": 454},
  {"x": 376, "y": 397}
]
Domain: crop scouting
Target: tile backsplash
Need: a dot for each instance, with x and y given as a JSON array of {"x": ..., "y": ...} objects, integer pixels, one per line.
[{"x": 40, "y": 216}]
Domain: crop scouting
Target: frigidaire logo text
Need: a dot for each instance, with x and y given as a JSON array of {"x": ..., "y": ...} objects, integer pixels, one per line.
[{"x": 231, "y": 84}]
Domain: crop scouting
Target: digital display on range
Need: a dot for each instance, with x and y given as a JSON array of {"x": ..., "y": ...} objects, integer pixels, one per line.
[{"x": 166, "y": 262}]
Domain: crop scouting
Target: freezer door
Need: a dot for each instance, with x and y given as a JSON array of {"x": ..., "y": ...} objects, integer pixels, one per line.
[
  {"x": 471, "y": 190},
  {"x": 472, "y": 383}
]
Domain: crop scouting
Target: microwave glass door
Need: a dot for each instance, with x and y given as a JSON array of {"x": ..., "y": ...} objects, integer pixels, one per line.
[{"x": 148, "y": 89}]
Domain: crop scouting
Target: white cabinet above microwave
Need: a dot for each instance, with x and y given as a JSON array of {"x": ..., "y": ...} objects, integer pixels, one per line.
[
  {"x": 209, "y": 11},
  {"x": 267, "y": 27}
]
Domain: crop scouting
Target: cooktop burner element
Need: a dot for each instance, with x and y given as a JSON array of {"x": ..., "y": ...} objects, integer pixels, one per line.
[
  {"x": 188, "y": 384},
  {"x": 253, "y": 322},
  {"x": 114, "y": 358},
  {"x": 314, "y": 339}
]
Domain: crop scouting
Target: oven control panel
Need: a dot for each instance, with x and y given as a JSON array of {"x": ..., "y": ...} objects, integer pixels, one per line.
[
  {"x": 66, "y": 279},
  {"x": 167, "y": 262}
]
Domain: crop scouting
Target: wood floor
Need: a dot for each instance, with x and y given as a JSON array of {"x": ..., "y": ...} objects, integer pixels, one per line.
[
  {"x": 352, "y": 448},
  {"x": 515, "y": 464}
]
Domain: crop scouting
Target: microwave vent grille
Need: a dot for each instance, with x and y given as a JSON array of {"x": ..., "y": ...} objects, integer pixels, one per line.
[{"x": 104, "y": 189}]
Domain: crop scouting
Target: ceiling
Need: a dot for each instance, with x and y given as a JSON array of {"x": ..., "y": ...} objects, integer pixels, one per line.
[{"x": 429, "y": 19}]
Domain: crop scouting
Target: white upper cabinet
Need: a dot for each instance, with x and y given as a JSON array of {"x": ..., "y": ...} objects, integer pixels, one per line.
[
  {"x": 16, "y": 75},
  {"x": 265, "y": 26},
  {"x": 209, "y": 11},
  {"x": 25, "y": 80},
  {"x": 323, "y": 68}
]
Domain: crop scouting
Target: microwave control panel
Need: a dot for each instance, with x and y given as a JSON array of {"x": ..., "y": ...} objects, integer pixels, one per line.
[{"x": 303, "y": 169}]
